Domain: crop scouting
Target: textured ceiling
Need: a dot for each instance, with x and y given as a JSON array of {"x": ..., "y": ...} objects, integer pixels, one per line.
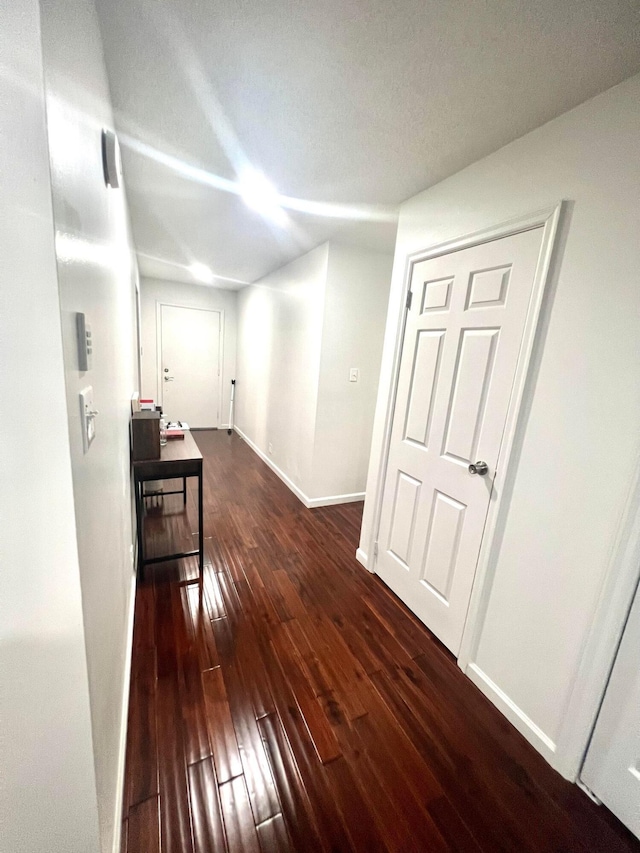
[{"x": 344, "y": 102}]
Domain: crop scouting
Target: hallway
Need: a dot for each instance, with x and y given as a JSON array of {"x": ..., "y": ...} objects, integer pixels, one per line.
[{"x": 291, "y": 703}]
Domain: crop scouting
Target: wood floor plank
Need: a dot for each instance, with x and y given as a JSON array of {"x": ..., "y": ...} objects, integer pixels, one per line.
[
  {"x": 357, "y": 816},
  {"x": 238, "y": 818},
  {"x": 221, "y": 729},
  {"x": 407, "y": 781},
  {"x": 294, "y": 797},
  {"x": 201, "y": 629},
  {"x": 175, "y": 816},
  {"x": 316, "y": 722},
  {"x": 326, "y": 815},
  {"x": 273, "y": 836},
  {"x": 253, "y": 756},
  {"x": 288, "y": 701},
  {"x": 206, "y": 811},
  {"x": 192, "y": 706},
  {"x": 453, "y": 771},
  {"x": 452, "y": 827},
  {"x": 141, "y": 782},
  {"x": 143, "y": 827},
  {"x": 213, "y": 594}
]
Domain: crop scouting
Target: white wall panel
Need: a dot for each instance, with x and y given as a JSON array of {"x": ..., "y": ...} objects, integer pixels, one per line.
[
  {"x": 97, "y": 275},
  {"x": 279, "y": 343},
  {"x": 355, "y": 308},
  {"x": 47, "y": 781},
  {"x": 300, "y": 330}
]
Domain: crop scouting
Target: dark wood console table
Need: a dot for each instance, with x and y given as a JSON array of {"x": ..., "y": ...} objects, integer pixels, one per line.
[{"x": 179, "y": 458}]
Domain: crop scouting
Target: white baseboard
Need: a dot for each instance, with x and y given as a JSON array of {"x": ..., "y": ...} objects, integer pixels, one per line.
[
  {"x": 334, "y": 499},
  {"x": 310, "y": 503},
  {"x": 296, "y": 491},
  {"x": 362, "y": 558},
  {"x": 124, "y": 716},
  {"x": 516, "y": 716}
]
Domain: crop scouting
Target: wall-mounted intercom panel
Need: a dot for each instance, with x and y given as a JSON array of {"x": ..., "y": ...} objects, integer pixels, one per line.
[{"x": 85, "y": 343}]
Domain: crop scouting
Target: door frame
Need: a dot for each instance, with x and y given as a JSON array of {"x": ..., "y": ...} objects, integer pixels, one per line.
[
  {"x": 220, "y": 312},
  {"x": 600, "y": 650},
  {"x": 549, "y": 220}
]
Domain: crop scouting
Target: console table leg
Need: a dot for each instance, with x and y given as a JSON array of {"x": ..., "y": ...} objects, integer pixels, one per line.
[
  {"x": 200, "y": 523},
  {"x": 139, "y": 486}
]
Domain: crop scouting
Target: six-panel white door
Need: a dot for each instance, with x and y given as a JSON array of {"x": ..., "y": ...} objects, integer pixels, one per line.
[
  {"x": 190, "y": 355},
  {"x": 461, "y": 343}
]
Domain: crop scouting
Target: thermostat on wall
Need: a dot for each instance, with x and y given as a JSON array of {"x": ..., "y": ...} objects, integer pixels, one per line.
[
  {"x": 85, "y": 343},
  {"x": 111, "y": 161}
]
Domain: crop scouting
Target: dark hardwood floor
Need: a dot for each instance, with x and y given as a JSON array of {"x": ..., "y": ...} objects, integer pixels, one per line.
[{"x": 291, "y": 703}]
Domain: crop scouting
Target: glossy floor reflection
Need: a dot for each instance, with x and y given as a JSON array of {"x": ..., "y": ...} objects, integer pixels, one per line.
[{"x": 289, "y": 702}]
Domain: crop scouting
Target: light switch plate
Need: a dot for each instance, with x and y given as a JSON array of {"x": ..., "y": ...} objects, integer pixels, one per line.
[
  {"x": 354, "y": 374},
  {"x": 87, "y": 417}
]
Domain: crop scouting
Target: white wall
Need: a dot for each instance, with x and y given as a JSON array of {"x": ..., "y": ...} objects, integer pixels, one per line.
[
  {"x": 47, "y": 784},
  {"x": 300, "y": 329},
  {"x": 355, "y": 308},
  {"x": 279, "y": 337},
  {"x": 154, "y": 292},
  {"x": 96, "y": 271},
  {"x": 580, "y": 438}
]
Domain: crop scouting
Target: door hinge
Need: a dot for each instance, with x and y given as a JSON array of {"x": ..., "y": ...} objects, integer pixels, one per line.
[
  {"x": 375, "y": 549},
  {"x": 409, "y": 300}
]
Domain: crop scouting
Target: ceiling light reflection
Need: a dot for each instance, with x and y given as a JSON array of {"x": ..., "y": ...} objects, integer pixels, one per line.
[
  {"x": 260, "y": 194},
  {"x": 201, "y": 272},
  {"x": 192, "y": 269}
]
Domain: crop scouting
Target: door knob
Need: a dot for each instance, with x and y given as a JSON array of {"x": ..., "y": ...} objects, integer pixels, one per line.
[
  {"x": 480, "y": 468},
  {"x": 168, "y": 378}
]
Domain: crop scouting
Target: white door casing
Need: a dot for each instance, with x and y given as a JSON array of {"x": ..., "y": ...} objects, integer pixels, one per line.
[
  {"x": 458, "y": 362},
  {"x": 612, "y": 766},
  {"x": 189, "y": 359}
]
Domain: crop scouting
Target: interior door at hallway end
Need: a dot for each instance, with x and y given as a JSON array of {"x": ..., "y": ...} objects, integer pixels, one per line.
[
  {"x": 190, "y": 365},
  {"x": 458, "y": 362}
]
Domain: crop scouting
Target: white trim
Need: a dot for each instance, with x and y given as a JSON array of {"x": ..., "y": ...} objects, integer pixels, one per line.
[
  {"x": 124, "y": 715},
  {"x": 296, "y": 491},
  {"x": 331, "y": 500},
  {"x": 221, "y": 327},
  {"x": 362, "y": 558},
  {"x": 513, "y": 713},
  {"x": 310, "y": 503},
  {"x": 599, "y": 651},
  {"x": 587, "y": 790}
]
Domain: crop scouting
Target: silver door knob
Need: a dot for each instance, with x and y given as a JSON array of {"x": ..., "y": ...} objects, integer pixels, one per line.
[{"x": 478, "y": 468}]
